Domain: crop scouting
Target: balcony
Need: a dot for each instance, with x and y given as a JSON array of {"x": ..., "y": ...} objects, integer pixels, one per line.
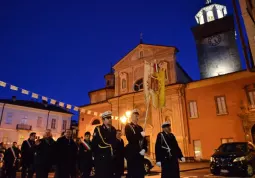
[{"x": 23, "y": 127}]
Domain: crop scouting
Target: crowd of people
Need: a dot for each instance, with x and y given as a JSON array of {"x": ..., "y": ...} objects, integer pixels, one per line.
[{"x": 105, "y": 153}]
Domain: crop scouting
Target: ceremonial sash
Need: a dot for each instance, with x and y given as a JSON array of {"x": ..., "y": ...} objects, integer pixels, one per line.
[
  {"x": 167, "y": 146},
  {"x": 102, "y": 139},
  {"x": 85, "y": 145},
  {"x": 14, "y": 155},
  {"x": 28, "y": 143}
]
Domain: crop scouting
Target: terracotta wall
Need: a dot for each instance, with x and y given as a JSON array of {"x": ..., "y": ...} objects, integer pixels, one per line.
[{"x": 209, "y": 127}]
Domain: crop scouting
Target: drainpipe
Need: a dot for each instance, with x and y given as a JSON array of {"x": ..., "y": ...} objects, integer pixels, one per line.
[
  {"x": 186, "y": 113},
  {"x": 47, "y": 120},
  {"x": 2, "y": 114},
  {"x": 244, "y": 46}
]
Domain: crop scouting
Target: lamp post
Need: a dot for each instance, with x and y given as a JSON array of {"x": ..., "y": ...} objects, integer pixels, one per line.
[{"x": 125, "y": 118}]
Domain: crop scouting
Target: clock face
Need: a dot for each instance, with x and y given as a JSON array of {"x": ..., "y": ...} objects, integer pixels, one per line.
[{"x": 214, "y": 40}]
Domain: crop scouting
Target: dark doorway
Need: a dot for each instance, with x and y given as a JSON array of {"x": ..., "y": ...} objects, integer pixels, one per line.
[{"x": 253, "y": 133}]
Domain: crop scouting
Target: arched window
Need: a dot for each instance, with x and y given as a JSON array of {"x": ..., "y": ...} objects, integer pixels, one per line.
[
  {"x": 95, "y": 122},
  {"x": 210, "y": 16},
  {"x": 220, "y": 13},
  {"x": 201, "y": 19},
  {"x": 138, "y": 85}
]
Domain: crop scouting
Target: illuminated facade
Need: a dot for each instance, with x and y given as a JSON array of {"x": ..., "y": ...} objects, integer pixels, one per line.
[
  {"x": 18, "y": 118},
  {"x": 215, "y": 39},
  {"x": 124, "y": 91}
]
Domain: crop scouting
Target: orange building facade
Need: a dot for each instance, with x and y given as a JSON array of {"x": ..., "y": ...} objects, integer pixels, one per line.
[{"x": 220, "y": 109}]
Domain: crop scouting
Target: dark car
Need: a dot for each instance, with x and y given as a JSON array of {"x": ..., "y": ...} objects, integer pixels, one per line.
[{"x": 237, "y": 159}]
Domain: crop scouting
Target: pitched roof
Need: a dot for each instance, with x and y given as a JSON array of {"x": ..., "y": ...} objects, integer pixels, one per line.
[
  {"x": 144, "y": 44},
  {"x": 34, "y": 104}
]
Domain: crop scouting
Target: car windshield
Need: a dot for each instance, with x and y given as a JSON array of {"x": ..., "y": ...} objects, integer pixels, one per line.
[{"x": 233, "y": 148}]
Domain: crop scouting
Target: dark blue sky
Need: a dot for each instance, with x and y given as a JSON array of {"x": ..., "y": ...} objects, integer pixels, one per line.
[{"x": 62, "y": 48}]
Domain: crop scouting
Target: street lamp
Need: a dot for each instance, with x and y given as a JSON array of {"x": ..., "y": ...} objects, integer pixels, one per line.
[{"x": 123, "y": 119}]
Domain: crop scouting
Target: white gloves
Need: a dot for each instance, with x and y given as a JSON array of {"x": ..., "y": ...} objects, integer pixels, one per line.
[
  {"x": 142, "y": 152},
  {"x": 183, "y": 159},
  {"x": 143, "y": 133},
  {"x": 158, "y": 164}
]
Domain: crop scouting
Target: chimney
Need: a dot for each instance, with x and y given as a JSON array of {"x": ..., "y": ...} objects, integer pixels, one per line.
[{"x": 13, "y": 98}]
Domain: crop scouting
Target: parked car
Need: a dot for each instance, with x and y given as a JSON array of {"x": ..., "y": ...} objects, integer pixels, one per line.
[
  {"x": 148, "y": 165},
  {"x": 236, "y": 158}
]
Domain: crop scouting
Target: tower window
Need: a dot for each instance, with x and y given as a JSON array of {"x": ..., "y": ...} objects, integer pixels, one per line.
[
  {"x": 138, "y": 85},
  {"x": 210, "y": 16},
  {"x": 201, "y": 20},
  {"x": 220, "y": 13}
]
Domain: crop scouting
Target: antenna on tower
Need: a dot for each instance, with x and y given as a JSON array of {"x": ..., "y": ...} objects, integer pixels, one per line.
[
  {"x": 208, "y": 1},
  {"x": 141, "y": 38}
]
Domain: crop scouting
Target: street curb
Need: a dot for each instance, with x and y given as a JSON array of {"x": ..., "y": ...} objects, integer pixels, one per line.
[{"x": 187, "y": 170}]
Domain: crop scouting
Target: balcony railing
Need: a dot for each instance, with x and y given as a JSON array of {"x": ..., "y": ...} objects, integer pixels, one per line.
[{"x": 23, "y": 127}]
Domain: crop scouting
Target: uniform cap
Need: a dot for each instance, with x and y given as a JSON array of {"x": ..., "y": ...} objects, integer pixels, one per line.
[
  {"x": 107, "y": 114},
  {"x": 166, "y": 124},
  {"x": 135, "y": 111}
]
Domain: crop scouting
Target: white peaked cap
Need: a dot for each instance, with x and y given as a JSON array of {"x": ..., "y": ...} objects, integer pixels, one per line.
[
  {"x": 107, "y": 114},
  {"x": 135, "y": 111},
  {"x": 165, "y": 124}
]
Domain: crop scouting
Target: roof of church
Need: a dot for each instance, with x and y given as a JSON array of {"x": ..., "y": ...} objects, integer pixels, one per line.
[
  {"x": 34, "y": 104},
  {"x": 176, "y": 49}
]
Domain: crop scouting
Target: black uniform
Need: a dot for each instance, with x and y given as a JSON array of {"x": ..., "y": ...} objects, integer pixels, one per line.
[
  {"x": 103, "y": 147},
  {"x": 85, "y": 158},
  {"x": 119, "y": 159},
  {"x": 136, "y": 143},
  {"x": 168, "y": 157},
  {"x": 10, "y": 160},
  {"x": 44, "y": 157},
  {"x": 27, "y": 158},
  {"x": 66, "y": 158}
]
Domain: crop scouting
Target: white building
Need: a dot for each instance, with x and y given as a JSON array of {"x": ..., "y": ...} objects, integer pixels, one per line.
[{"x": 18, "y": 118}]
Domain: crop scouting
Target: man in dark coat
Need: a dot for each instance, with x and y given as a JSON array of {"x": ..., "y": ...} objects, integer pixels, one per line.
[
  {"x": 103, "y": 147},
  {"x": 85, "y": 156},
  {"x": 66, "y": 156},
  {"x": 168, "y": 153},
  {"x": 45, "y": 150},
  {"x": 136, "y": 148},
  {"x": 11, "y": 157},
  {"x": 119, "y": 156},
  {"x": 27, "y": 156}
]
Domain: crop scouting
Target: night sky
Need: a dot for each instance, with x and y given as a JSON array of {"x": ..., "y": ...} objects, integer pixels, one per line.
[{"x": 62, "y": 48}]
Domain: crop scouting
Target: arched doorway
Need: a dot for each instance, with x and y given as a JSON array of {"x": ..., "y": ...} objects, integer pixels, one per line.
[{"x": 253, "y": 133}]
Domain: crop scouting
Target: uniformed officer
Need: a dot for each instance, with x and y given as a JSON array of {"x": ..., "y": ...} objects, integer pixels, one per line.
[
  {"x": 103, "y": 147},
  {"x": 136, "y": 148},
  {"x": 168, "y": 153}
]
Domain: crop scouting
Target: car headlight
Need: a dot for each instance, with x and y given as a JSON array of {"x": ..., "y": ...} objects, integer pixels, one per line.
[
  {"x": 212, "y": 159},
  {"x": 239, "y": 159}
]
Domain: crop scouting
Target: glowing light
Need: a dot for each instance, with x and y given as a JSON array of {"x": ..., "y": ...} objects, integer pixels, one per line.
[
  {"x": 123, "y": 119},
  {"x": 128, "y": 114}
]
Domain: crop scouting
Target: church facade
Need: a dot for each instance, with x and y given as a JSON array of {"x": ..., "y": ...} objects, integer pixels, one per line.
[{"x": 124, "y": 92}]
